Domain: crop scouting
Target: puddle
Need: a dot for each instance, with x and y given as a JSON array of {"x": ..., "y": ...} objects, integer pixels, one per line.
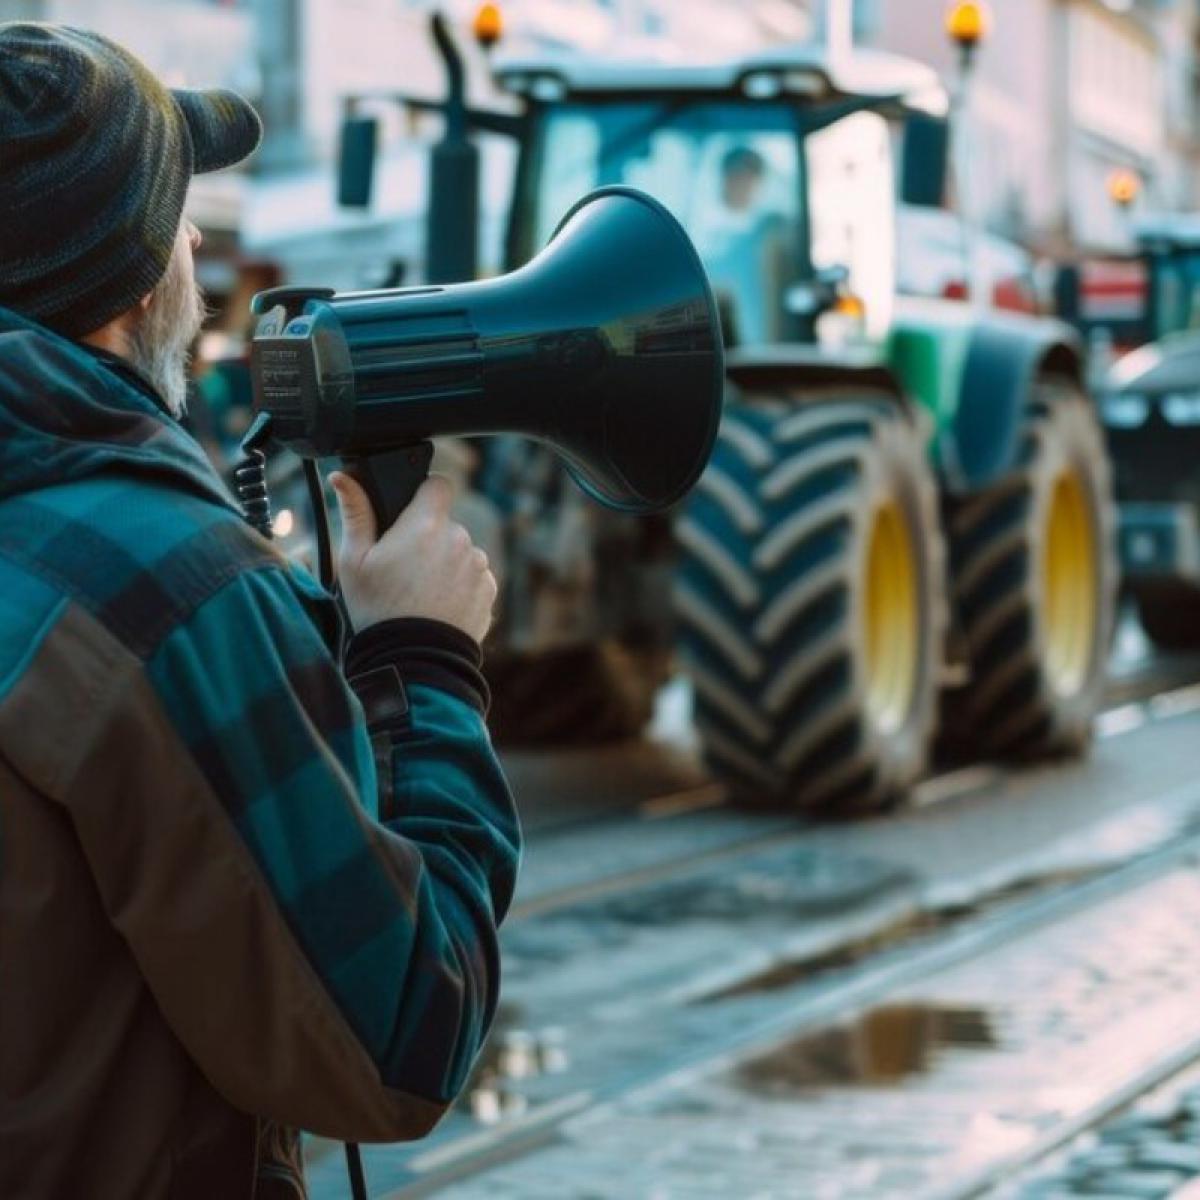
[
  {"x": 885, "y": 1045},
  {"x": 1123, "y": 839},
  {"x": 812, "y": 967}
]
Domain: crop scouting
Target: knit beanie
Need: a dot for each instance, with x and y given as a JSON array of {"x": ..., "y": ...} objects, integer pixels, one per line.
[{"x": 95, "y": 159}]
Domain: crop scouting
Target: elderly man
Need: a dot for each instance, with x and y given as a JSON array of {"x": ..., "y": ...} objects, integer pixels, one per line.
[{"x": 239, "y": 896}]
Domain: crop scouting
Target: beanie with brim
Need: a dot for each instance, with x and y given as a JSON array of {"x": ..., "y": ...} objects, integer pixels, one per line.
[{"x": 95, "y": 159}]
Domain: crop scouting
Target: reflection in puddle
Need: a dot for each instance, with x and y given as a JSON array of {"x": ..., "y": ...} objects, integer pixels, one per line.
[
  {"x": 885, "y": 1045},
  {"x": 512, "y": 1054}
]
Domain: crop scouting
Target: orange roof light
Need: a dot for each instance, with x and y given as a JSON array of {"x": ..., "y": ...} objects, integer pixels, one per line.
[
  {"x": 969, "y": 23},
  {"x": 1124, "y": 186},
  {"x": 488, "y": 25},
  {"x": 850, "y": 305}
]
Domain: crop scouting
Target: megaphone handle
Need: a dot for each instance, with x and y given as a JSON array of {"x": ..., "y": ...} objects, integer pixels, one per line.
[{"x": 391, "y": 478}]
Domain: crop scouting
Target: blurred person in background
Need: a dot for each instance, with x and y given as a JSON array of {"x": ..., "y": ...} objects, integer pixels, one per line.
[
  {"x": 246, "y": 887},
  {"x": 745, "y": 246}
]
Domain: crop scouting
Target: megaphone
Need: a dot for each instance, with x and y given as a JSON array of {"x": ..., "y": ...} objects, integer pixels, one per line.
[{"x": 606, "y": 347}]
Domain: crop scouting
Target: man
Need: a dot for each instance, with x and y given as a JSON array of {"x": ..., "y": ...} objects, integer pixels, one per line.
[
  {"x": 747, "y": 247},
  {"x": 235, "y": 900},
  {"x": 743, "y": 171}
]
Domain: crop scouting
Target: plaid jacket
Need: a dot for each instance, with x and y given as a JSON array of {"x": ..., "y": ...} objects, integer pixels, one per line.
[{"x": 207, "y": 928}]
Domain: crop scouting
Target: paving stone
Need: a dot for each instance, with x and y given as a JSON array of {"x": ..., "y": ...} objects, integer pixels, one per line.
[
  {"x": 1171, "y": 1156},
  {"x": 1056, "y": 1187},
  {"x": 1127, "y": 1128},
  {"x": 1135, "y": 1185},
  {"x": 1106, "y": 1158}
]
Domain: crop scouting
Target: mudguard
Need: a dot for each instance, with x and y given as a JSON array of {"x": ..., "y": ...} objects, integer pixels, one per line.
[
  {"x": 974, "y": 373},
  {"x": 794, "y": 369}
]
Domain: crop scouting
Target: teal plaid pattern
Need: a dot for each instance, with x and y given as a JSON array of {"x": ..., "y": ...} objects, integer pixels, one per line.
[{"x": 106, "y": 503}]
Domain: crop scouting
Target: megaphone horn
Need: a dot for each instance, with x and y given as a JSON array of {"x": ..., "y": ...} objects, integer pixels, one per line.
[{"x": 606, "y": 346}]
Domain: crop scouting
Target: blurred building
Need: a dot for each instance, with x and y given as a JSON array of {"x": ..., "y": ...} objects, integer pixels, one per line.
[
  {"x": 1067, "y": 91},
  {"x": 188, "y": 43}
]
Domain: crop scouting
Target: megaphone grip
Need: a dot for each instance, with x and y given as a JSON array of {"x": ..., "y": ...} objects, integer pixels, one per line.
[{"x": 391, "y": 478}]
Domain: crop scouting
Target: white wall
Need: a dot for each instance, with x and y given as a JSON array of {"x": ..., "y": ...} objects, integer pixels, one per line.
[{"x": 188, "y": 44}]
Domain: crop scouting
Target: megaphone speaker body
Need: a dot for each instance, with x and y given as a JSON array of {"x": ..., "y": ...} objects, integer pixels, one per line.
[{"x": 606, "y": 346}]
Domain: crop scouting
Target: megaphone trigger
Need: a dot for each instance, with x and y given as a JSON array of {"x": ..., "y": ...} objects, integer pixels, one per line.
[{"x": 391, "y": 479}]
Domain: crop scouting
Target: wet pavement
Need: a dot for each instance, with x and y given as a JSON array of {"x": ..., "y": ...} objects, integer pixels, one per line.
[
  {"x": 1151, "y": 1151},
  {"x": 645, "y": 938},
  {"x": 927, "y": 1094}
]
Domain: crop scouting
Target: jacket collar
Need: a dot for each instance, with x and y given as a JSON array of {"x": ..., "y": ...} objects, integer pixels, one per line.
[
  {"x": 129, "y": 373},
  {"x": 67, "y": 413}
]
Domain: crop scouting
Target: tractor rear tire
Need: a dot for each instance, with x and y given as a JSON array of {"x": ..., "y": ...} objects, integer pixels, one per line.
[
  {"x": 810, "y": 602},
  {"x": 1170, "y": 613},
  {"x": 1035, "y": 584}
]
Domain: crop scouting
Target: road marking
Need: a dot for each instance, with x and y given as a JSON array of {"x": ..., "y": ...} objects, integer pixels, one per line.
[
  {"x": 941, "y": 788},
  {"x": 1175, "y": 703},
  {"x": 1117, "y": 721},
  {"x": 709, "y": 795},
  {"x": 541, "y": 1114}
]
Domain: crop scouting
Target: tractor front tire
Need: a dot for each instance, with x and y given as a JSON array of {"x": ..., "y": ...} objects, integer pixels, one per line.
[{"x": 810, "y": 602}]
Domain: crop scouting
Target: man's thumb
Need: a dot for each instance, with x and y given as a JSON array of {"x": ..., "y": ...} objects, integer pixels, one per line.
[{"x": 358, "y": 517}]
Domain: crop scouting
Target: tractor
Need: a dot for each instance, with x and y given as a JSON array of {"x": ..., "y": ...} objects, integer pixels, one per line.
[
  {"x": 1150, "y": 404},
  {"x": 906, "y": 533}
]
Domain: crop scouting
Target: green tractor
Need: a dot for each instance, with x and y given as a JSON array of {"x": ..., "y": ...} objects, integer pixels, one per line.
[
  {"x": 1150, "y": 404},
  {"x": 906, "y": 530}
]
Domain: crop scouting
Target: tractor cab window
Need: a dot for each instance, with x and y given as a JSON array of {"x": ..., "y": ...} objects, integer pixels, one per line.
[
  {"x": 729, "y": 172},
  {"x": 1176, "y": 276}
]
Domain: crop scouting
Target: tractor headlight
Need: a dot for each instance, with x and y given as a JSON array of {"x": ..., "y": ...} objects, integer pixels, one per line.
[
  {"x": 1125, "y": 412},
  {"x": 1182, "y": 409}
]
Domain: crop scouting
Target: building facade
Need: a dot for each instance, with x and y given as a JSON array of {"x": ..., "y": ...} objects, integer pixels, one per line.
[{"x": 1064, "y": 93}]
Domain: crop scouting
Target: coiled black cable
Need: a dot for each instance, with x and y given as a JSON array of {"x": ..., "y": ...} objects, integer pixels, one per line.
[{"x": 250, "y": 476}]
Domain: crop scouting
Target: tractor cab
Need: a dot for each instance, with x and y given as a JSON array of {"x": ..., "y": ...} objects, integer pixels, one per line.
[
  {"x": 779, "y": 166},
  {"x": 1126, "y": 301},
  {"x": 1150, "y": 400},
  {"x": 1170, "y": 248}
]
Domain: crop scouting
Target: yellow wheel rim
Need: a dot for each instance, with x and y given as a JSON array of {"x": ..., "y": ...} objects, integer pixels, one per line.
[
  {"x": 1069, "y": 575},
  {"x": 892, "y": 627}
]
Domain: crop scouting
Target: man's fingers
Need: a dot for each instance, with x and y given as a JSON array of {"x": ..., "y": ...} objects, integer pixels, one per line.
[
  {"x": 359, "y": 531},
  {"x": 434, "y": 496}
]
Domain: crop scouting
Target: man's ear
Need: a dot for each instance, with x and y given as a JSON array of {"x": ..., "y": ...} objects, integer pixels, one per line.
[{"x": 144, "y": 302}]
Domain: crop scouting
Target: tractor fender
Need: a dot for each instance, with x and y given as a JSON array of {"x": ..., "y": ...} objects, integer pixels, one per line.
[
  {"x": 797, "y": 372},
  {"x": 975, "y": 373}
]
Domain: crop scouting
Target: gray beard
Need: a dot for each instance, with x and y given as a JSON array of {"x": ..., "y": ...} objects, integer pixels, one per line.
[{"x": 159, "y": 349}]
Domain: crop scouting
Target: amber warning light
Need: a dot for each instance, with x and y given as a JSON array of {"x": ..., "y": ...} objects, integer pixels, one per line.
[
  {"x": 968, "y": 23},
  {"x": 488, "y": 25},
  {"x": 1123, "y": 187}
]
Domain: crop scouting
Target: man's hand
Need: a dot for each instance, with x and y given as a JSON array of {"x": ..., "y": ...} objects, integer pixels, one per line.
[{"x": 425, "y": 565}]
